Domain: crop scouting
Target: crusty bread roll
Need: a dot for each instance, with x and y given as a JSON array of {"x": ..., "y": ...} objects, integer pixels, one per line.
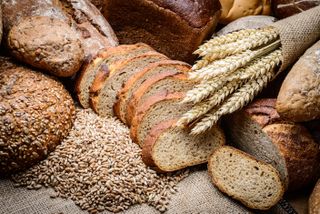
[
  {"x": 36, "y": 113},
  {"x": 234, "y": 9}
]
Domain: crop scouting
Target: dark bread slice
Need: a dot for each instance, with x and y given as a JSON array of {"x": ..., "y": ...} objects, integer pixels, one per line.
[
  {"x": 159, "y": 107},
  {"x": 93, "y": 65},
  {"x": 287, "y": 146},
  {"x": 135, "y": 81},
  {"x": 169, "y": 148},
  {"x": 107, "y": 84},
  {"x": 254, "y": 183}
]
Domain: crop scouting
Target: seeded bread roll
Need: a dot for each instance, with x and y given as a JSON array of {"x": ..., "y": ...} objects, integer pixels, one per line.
[
  {"x": 36, "y": 114},
  {"x": 135, "y": 81},
  {"x": 168, "y": 148},
  {"x": 159, "y": 107},
  {"x": 168, "y": 80},
  {"x": 299, "y": 96},
  {"x": 174, "y": 28},
  {"x": 314, "y": 201},
  {"x": 254, "y": 183},
  {"x": 289, "y": 147},
  {"x": 47, "y": 43}
]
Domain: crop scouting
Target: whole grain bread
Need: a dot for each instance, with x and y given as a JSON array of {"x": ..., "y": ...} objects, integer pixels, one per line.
[
  {"x": 36, "y": 114},
  {"x": 171, "y": 81},
  {"x": 299, "y": 96},
  {"x": 139, "y": 78},
  {"x": 284, "y": 8},
  {"x": 252, "y": 182},
  {"x": 289, "y": 147},
  {"x": 174, "y": 28},
  {"x": 314, "y": 201},
  {"x": 159, "y": 107},
  {"x": 168, "y": 148}
]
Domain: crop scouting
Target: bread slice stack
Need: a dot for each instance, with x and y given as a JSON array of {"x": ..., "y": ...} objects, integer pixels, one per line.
[{"x": 144, "y": 89}]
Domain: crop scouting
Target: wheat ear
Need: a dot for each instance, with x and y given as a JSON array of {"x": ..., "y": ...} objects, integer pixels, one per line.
[{"x": 235, "y": 102}]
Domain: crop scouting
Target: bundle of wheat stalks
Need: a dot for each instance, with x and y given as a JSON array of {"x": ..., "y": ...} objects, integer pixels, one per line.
[{"x": 233, "y": 69}]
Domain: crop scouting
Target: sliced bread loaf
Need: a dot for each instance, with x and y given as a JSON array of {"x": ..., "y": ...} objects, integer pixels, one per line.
[
  {"x": 93, "y": 65},
  {"x": 107, "y": 84},
  {"x": 169, "y": 81},
  {"x": 254, "y": 183},
  {"x": 159, "y": 107},
  {"x": 135, "y": 81},
  {"x": 169, "y": 148},
  {"x": 289, "y": 147}
]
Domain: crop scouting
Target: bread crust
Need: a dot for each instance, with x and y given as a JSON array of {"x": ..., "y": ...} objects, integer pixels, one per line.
[
  {"x": 217, "y": 183},
  {"x": 130, "y": 107},
  {"x": 314, "y": 200},
  {"x": 144, "y": 108}
]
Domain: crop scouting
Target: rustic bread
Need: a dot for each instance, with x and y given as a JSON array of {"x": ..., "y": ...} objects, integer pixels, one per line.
[
  {"x": 159, "y": 107},
  {"x": 314, "y": 201},
  {"x": 36, "y": 114},
  {"x": 299, "y": 96},
  {"x": 174, "y": 28},
  {"x": 135, "y": 81},
  {"x": 254, "y": 183},
  {"x": 289, "y": 147},
  {"x": 168, "y": 148},
  {"x": 106, "y": 85},
  {"x": 284, "y": 8},
  {"x": 170, "y": 81},
  {"x": 100, "y": 63},
  {"x": 234, "y": 9},
  {"x": 53, "y": 46}
]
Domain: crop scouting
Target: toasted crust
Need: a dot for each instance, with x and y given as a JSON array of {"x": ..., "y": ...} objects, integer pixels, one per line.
[
  {"x": 130, "y": 107},
  {"x": 153, "y": 135},
  {"x": 144, "y": 108},
  {"x": 245, "y": 155}
]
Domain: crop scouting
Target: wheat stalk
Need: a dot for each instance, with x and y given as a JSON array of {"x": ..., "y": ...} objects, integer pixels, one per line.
[{"x": 235, "y": 102}]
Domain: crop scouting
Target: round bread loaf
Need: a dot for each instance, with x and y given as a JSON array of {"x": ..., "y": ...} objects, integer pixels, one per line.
[
  {"x": 36, "y": 113},
  {"x": 314, "y": 201},
  {"x": 47, "y": 43}
]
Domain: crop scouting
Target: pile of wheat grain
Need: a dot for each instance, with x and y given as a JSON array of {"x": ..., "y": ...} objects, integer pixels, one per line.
[{"x": 99, "y": 168}]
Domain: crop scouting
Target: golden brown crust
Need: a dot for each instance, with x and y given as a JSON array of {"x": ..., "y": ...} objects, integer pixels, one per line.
[
  {"x": 314, "y": 201},
  {"x": 130, "y": 107},
  {"x": 144, "y": 108}
]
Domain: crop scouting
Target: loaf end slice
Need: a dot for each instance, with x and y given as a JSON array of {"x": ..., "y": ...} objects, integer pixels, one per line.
[{"x": 254, "y": 183}]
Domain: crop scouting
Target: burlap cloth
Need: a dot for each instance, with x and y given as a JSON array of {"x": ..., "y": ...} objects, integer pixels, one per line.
[{"x": 297, "y": 34}]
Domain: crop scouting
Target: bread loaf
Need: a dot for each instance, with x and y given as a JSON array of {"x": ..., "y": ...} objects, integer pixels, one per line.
[
  {"x": 0, "y": 22},
  {"x": 299, "y": 96},
  {"x": 254, "y": 183},
  {"x": 36, "y": 114},
  {"x": 314, "y": 201},
  {"x": 174, "y": 28},
  {"x": 168, "y": 148},
  {"x": 284, "y": 8},
  {"x": 234, "y": 9},
  {"x": 289, "y": 147}
]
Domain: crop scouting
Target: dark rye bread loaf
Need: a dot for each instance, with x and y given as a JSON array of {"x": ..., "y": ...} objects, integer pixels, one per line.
[
  {"x": 171, "y": 81},
  {"x": 135, "y": 81},
  {"x": 174, "y": 28},
  {"x": 36, "y": 114},
  {"x": 107, "y": 84},
  {"x": 254, "y": 183},
  {"x": 168, "y": 148},
  {"x": 159, "y": 107},
  {"x": 100, "y": 63},
  {"x": 314, "y": 200},
  {"x": 289, "y": 147}
]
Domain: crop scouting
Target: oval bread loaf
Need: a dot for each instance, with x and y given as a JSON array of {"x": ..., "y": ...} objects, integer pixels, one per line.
[{"x": 36, "y": 113}]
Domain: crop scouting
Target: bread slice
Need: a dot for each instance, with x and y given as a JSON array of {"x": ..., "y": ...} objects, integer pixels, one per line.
[
  {"x": 254, "y": 183},
  {"x": 287, "y": 146},
  {"x": 106, "y": 85},
  {"x": 162, "y": 106},
  {"x": 135, "y": 81},
  {"x": 169, "y": 148},
  {"x": 93, "y": 65}
]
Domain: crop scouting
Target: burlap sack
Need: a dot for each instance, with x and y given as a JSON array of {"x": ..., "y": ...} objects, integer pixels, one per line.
[{"x": 297, "y": 34}]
